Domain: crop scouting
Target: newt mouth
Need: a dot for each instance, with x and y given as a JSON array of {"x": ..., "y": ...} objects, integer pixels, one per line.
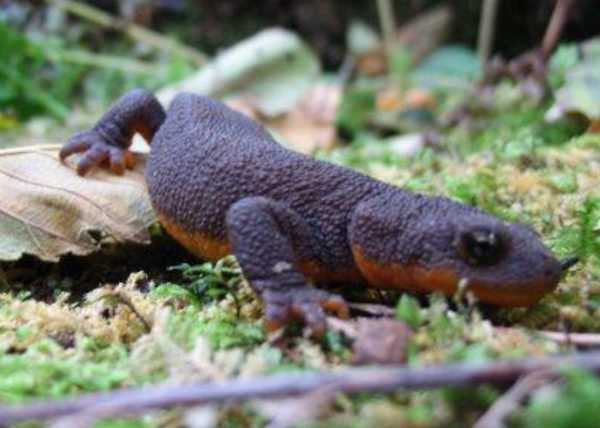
[
  {"x": 502, "y": 292},
  {"x": 513, "y": 294}
]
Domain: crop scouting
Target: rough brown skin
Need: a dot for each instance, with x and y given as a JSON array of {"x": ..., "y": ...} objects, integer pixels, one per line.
[{"x": 221, "y": 184}]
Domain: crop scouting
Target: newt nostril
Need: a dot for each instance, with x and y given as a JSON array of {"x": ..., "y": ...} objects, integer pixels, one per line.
[{"x": 568, "y": 263}]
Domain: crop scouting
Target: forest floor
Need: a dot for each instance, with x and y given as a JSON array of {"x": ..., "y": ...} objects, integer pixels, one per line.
[{"x": 126, "y": 318}]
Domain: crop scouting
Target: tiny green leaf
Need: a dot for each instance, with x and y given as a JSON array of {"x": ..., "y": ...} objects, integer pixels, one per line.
[{"x": 409, "y": 311}]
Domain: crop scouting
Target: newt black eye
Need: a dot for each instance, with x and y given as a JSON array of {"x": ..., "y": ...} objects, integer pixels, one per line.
[{"x": 480, "y": 247}]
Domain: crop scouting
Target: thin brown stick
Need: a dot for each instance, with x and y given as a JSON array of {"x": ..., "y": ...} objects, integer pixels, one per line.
[
  {"x": 90, "y": 59},
  {"x": 126, "y": 301},
  {"x": 487, "y": 27},
  {"x": 577, "y": 339},
  {"x": 530, "y": 68},
  {"x": 353, "y": 380},
  {"x": 373, "y": 309},
  {"x": 387, "y": 21},
  {"x": 555, "y": 28},
  {"x": 510, "y": 402}
]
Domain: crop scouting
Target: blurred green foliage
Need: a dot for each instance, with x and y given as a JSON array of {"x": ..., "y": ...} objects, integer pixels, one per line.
[
  {"x": 44, "y": 371},
  {"x": 358, "y": 105},
  {"x": 45, "y": 75},
  {"x": 27, "y": 87},
  {"x": 574, "y": 404},
  {"x": 409, "y": 311}
]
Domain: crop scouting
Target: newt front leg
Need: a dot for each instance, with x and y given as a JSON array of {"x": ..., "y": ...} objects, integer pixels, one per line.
[
  {"x": 107, "y": 142},
  {"x": 267, "y": 238}
]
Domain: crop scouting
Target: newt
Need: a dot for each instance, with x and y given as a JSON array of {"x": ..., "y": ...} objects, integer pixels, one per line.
[{"x": 221, "y": 184}]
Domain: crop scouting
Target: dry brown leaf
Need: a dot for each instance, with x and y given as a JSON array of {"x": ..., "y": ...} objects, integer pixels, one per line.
[
  {"x": 392, "y": 100},
  {"x": 381, "y": 341},
  {"x": 47, "y": 210},
  {"x": 419, "y": 37},
  {"x": 310, "y": 125},
  {"x": 372, "y": 63},
  {"x": 427, "y": 31}
]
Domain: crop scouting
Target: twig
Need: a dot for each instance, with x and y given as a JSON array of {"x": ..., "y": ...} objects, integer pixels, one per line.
[
  {"x": 560, "y": 15},
  {"x": 530, "y": 69},
  {"x": 577, "y": 339},
  {"x": 136, "y": 32},
  {"x": 353, "y": 380},
  {"x": 487, "y": 27},
  {"x": 496, "y": 415},
  {"x": 118, "y": 297},
  {"x": 104, "y": 61},
  {"x": 385, "y": 10},
  {"x": 373, "y": 309},
  {"x": 126, "y": 301}
]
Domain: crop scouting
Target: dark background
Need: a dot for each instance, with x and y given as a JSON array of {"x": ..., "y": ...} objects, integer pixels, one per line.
[{"x": 210, "y": 24}]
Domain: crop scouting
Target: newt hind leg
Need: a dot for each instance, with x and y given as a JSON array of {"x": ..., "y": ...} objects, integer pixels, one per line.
[
  {"x": 268, "y": 239},
  {"x": 108, "y": 141}
]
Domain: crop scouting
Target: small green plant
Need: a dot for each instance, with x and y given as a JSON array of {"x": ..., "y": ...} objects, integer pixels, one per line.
[
  {"x": 589, "y": 219},
  {"x": 409, "y": 311},
  {"x": 583, "y": 238},
  {"x": 205, "y": 283},
  {"x": 358, "y": 105}
]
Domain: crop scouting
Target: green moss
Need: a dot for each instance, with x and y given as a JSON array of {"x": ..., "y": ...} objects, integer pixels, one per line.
[
  {"x": 344, "y": 422},
  {"x": 114, "y": 423},
  {"x": 510, "y": 130},
  {"x": 582, "y": 238},
  {"x": 223, "y": 331},
  {"x": 46, "y": 370},
  {"x": 481, "y": 190}
]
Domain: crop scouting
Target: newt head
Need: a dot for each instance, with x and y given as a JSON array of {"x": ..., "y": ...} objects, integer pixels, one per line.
[{"x": 434, "y": 244}]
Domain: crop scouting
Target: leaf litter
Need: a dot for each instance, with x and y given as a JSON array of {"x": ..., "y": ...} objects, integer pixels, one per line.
[{"x": 46, "y": 210}]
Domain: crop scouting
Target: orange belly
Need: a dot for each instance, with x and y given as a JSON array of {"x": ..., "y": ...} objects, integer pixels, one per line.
[
  {"x": 201, "y": 245},
  {"x": 210, "y": 249},
  {"x": 420, "y": 279}
]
